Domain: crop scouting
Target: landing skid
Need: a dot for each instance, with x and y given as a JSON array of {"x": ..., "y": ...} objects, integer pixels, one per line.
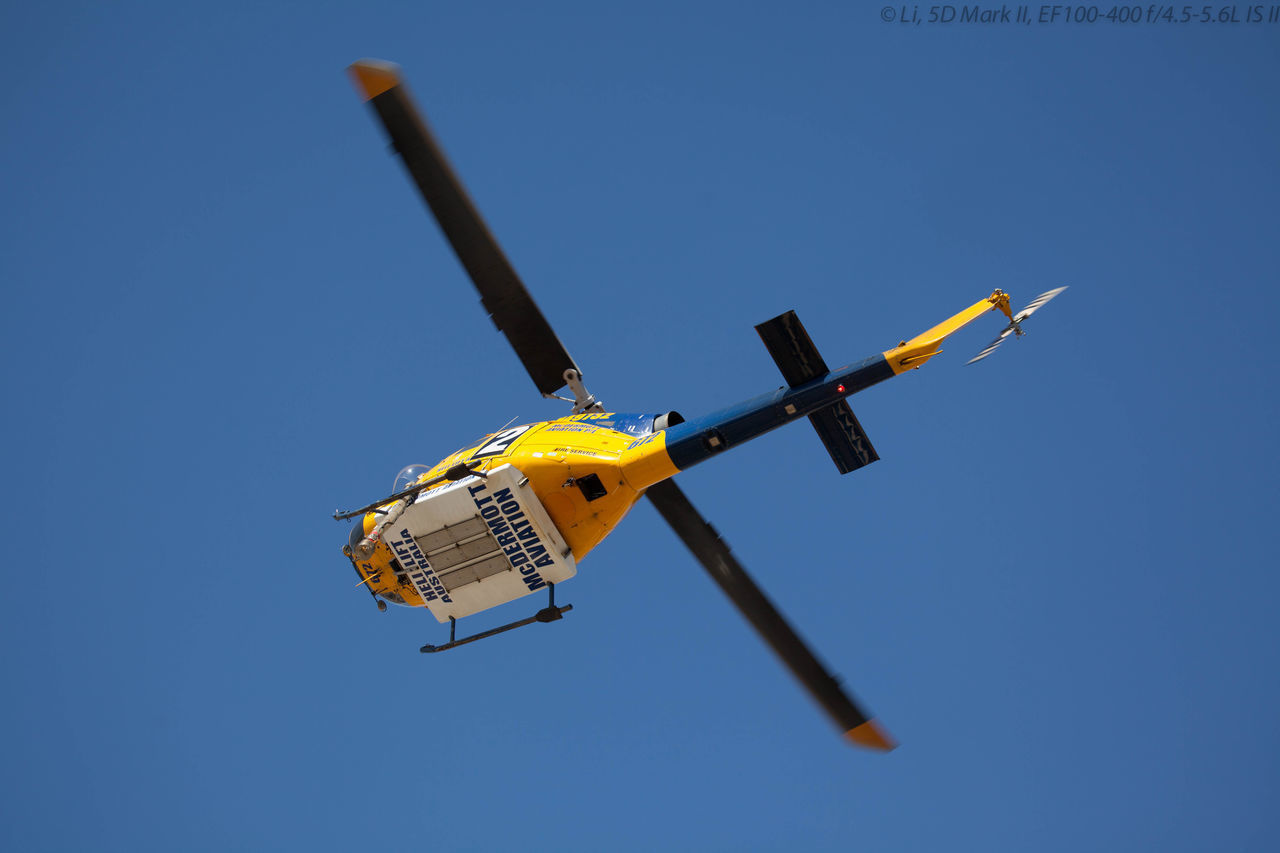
[{"x": 550, "y": 613}]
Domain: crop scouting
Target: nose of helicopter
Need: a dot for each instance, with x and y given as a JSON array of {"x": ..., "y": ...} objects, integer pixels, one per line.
[{"x": 367, "y": 572}]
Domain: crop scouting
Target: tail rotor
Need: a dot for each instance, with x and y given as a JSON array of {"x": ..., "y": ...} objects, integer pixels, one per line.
[{"x": 1015, "y": 323}]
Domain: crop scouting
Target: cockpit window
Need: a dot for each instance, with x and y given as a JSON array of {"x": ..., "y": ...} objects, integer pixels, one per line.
[
  {"x": 357, "y": 533},
  {"x": 633, "y": 425},
  {"x": 409, "y": 475}
]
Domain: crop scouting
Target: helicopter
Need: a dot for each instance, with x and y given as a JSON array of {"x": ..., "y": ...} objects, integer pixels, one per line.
[{"x": 515, "y": 512}]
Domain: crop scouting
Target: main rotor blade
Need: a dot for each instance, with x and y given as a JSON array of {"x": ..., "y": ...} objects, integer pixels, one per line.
[
  {"x": 502, "y": 293},
  {"x": 706, "y": 544}
]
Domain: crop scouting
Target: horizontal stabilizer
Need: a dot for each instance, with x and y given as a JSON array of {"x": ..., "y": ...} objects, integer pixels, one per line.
[
  {"x": 792, "y": 349},
  {"x": 799, "y": 360},
  {"x": 843, "y": 437}
]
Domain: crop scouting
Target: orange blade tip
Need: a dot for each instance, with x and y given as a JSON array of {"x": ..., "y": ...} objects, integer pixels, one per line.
[
  {"x": 872, "y": 736},
  {"x": 374, "y": 76}
]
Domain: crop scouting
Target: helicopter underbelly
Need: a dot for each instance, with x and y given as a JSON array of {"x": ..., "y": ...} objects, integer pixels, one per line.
[{"x": 478, "y": 543}]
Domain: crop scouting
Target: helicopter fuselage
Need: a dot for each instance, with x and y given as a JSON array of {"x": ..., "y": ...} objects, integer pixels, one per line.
[{"x": 565, "y": 484}]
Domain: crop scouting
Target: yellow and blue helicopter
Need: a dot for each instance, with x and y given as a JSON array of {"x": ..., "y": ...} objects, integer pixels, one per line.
[{"x": 516, "y": 511}]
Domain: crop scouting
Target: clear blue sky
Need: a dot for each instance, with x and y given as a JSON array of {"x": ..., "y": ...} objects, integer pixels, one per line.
[{"x": 226, "y": 313}]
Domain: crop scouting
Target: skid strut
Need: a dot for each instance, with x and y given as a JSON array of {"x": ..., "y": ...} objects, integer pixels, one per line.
[{"x": 550, "y": 613}]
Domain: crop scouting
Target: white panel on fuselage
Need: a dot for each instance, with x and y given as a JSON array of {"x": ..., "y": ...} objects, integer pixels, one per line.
[{"x": 478, "y": 543}]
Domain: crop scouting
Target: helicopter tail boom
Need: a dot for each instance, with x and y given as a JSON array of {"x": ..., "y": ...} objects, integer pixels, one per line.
[
  {"x": 909, "y": 355},
  {"x": 820, "y": 398}
]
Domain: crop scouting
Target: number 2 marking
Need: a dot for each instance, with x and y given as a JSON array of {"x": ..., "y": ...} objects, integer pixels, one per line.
[{"x": 501, "y": 442}]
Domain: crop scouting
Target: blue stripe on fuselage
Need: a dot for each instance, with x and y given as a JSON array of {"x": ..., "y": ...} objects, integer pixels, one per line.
[{"x": 693, "y": 441}]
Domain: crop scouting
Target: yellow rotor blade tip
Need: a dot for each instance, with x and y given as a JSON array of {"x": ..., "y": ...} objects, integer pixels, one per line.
[
  {"x": 374, "y": 76},
  {"x": 872, "y": 736}
]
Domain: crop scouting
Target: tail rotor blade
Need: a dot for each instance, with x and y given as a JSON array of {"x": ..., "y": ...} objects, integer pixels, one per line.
[
  {"x": 714, "y": 555},
  {"x": 991, "y": 347},
  {"x": 1039, "y": 302}
]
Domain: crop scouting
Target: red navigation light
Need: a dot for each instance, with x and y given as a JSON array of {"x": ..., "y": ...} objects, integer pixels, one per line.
[{"x": 840, "y": 389}]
